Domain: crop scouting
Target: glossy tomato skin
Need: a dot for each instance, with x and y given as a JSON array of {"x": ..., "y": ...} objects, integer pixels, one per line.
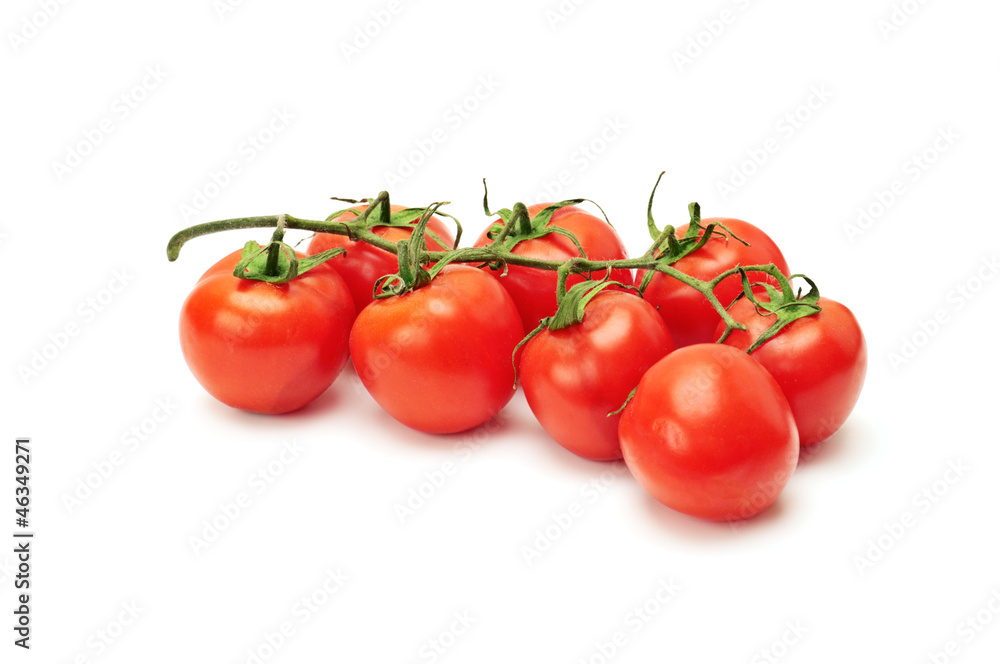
[
  {"x": 709, "y": 433},
  {"x": 534, "y": 290},
  {"x": 688, "y": 315},
  {"x": 364, "y": 264},
  {"x": 438, "y": 359},
  {"x": 819, "y": 361},
  {"x": 574, "y": 377},
  {"x": 266, "y": 348}
]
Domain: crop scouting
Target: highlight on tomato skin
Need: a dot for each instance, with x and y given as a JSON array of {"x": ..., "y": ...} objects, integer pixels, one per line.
[
  {"x": 534, "y": 290},
  {"x": 438, "y": 359},
  {"x": 363, "y": 264},
  {"x": 710, "y": 434},
  {"x": 688, "y": 315},
  {"x": 574, "y": 377},
  {"x": 262, "y": 347},
  {"x": 819, "y": 361}
]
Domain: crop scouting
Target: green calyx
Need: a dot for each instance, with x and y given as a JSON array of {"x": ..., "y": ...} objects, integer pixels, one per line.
[
  {"x": 412, "y": 256},
  {"x": 667, "y": 248},
  {"x": 783, "y": 303},
  {"x": 405, "y": 218},
  {"x": 276, "y": 262},
  {"x": 516, "y": 225},
  {"x": 573, "y": 304},
  {"x": 572, "y": 307}
]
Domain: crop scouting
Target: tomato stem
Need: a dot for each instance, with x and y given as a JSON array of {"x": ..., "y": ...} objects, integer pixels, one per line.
[{"x": 413, "y": 255}]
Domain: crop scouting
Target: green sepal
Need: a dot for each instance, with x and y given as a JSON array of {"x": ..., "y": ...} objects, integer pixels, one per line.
[
  {"x": 542, "y": 326},
  {"x": 574, "y": 303},
  {"x": 253, "y": 263},
  {"x": 783, "y": 304},
  {"x": 668, "y": 248},
  {"x": 627, "y": 400},
  {"x": 405, "y": 218},
  {"x": 572, "y": 307},
  {"x": 515, "y": 226},
  {"x": 410, "y": 255}
]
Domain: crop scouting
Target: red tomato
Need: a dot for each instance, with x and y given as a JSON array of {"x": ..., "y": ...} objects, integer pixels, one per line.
[
  {"x": 534, "y": 290},
  {"x": 688, "y": 315},
  {"x": 575, "y": 376},
  {"x": 266, "y": 348},
  {"x": 364, "y": 264},
  {"x": 438, "y": 359},
  {"x": 709, "y": 433},
  {"x": 819, "y": 361}
]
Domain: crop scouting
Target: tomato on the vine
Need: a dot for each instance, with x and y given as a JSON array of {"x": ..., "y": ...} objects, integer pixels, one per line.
[
  {"x": 363, "y": 264},
  {"x": 574, "y": 377},
  {"x": 533, "y": 289},
  {"x": 709, "y": 433},
  {"x": 819, "y": 361},
  {"x": 438, "y": 358},
  {"x": 266, "y": 347},
  {"x": 689, "y": 316}
]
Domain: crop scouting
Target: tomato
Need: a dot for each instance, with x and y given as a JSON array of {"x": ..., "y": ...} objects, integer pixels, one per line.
[
  {"x": 534, "y": 290},
  {"x": 364, "y": 264},
  {"x": 573, "y": 377},
  {"x": 819, "y": 361},
  {"x": 709, "y": 433},
  {"x": 262, "y": 347},
  {"x": 688, "y": 315},
  {"x": 438, "y": 358}
]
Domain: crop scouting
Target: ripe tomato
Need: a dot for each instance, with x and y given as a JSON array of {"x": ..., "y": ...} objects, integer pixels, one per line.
[
  {"x": 709, "y": 433},
  {"x": 266, "y": 348},
  {"x": 534, "y": 290},
  {"x": 819, "y": 361},
  {"x": 688, "y": 315},
  {"x": 575, "y": 376},
  {"x": 438, "y": 359},
  {"x": 364, "y": 264}
]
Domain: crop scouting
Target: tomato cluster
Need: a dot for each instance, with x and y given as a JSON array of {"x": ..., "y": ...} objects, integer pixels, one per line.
[{"x": 705, "y": 372}]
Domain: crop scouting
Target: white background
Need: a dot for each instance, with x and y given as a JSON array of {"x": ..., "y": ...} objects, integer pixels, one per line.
[{"x": 806, "y": 571}]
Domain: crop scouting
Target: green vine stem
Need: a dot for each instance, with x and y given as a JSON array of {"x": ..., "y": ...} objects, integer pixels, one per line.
[{"x": 496, "y": 255}]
